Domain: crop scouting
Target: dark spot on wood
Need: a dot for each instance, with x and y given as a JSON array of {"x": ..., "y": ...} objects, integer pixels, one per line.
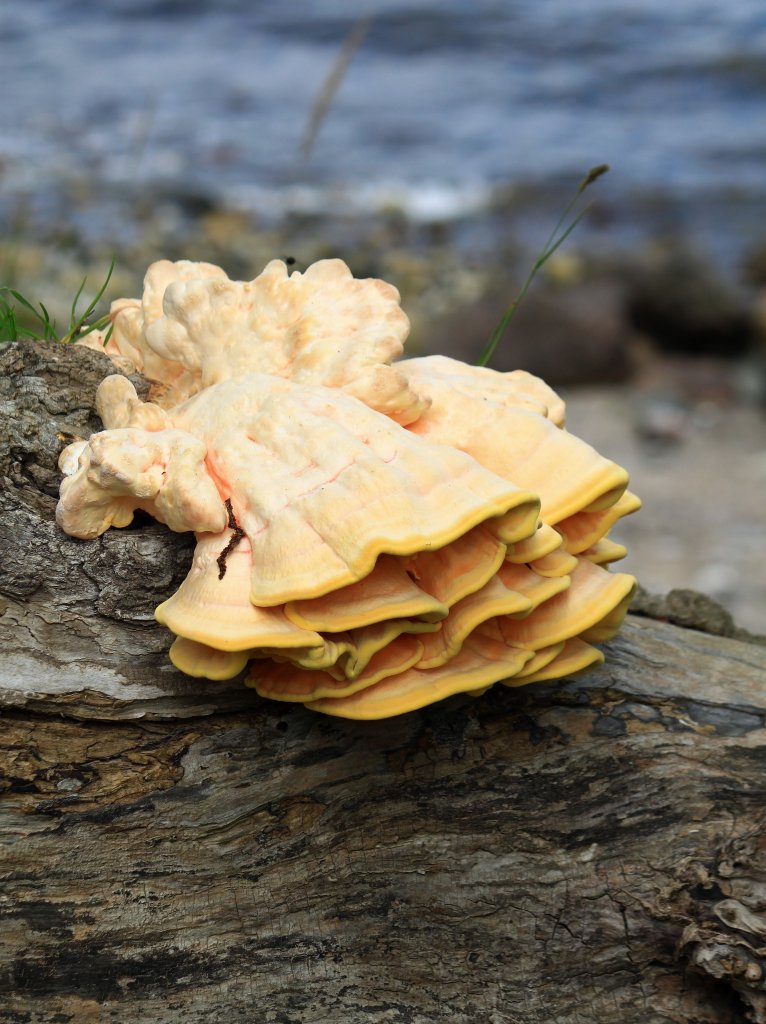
[
  {"x": 307, "y": 758},
  {"x": 13, "y": 784},
  {"x": 608, "y": 725},
  {"x": 725, "y": 721},
  {"x": 710, "y": 892},
  {"x": 43, "y": 916},
  {"x": 140, "y": 521},
  {"x": 89, "y": 969},
  {"x": 536, "y": 733},
  {"x": 101, "y": 815}
]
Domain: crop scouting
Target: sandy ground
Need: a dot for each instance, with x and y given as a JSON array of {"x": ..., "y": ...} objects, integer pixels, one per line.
[{"x": 703, "y": 524}]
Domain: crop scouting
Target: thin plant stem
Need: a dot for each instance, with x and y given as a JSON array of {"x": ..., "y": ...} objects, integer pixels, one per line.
[
  {"x": 79, "y": 326},
  {"x": 553, "y": 242},
  {"x": 330, "y": 86}
]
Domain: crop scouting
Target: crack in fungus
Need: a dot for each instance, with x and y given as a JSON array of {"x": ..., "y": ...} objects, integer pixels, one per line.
[{"x": 235, "y": 538}]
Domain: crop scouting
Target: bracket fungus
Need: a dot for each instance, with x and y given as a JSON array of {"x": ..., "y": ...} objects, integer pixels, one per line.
[{"x": 372, "y": 535}]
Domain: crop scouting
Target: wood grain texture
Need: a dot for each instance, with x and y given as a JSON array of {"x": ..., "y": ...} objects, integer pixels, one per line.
[
  {"x": 78, "y": 616},
  {"x": 175, "y": 851}
]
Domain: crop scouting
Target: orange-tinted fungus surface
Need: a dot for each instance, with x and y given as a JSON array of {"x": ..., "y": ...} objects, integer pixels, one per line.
[{"x": 373, "y": 535}]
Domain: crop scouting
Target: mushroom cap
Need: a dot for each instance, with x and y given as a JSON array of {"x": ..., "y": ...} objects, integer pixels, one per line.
[
  {"x": 132, "y": 318},
  {"x": 460, "y": 568},
  {"x": 285, "y": 682},
  {"x": 507, "y": 433},
  {"x": 517, "y": 388},
  {"x": 388, "y": 592},
  {"x": 593, "y": 595},
  {"x": 323, "y": 485},
  {"x": 481, "y": 662},
  {"x": 608, "y": 625},
  {"x": 492, "y": 600},
  {"x": 538, "y": 661},
  {"x": 555, "y": 563},
  {"x": 515, "y": 591},
  {"x": 69, "y": 459},
  {"x": 571, "y": 657},
  {"x": 584, "y": 529},
  {"x": 604, "y": 551},
  {"x": 367, "y": 641},
  {"x": 346, "y": 655},
  {"x": 534, "y": 586},
  {"x": 162, "y": 472},
  {"x": 194, "y": 327},
  {"x": 118, "y": 405},
  {"x": 218, "y": 612},
  {"x": 328, "y": 658},
  {"x": 515, "y": 525},
  {"x": 127, "y": 334},
  {"x": 204, "y": 662},
  {"x": 538, "y": 545},
  {"x": 537, "y": 389},
  {"x": 321, "y": 326}
]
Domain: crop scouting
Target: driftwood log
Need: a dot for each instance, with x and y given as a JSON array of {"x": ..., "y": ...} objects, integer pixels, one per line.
[{"x": 178, "y": 851}]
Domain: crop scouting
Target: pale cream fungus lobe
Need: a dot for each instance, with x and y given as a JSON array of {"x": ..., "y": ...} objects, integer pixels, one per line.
[{"x": 372, "y": 535}]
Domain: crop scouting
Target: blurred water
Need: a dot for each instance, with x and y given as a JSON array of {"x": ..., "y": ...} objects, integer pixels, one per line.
[{"x": 444, "y": 101}]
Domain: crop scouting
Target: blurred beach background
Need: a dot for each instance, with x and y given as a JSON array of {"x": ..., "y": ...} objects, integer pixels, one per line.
[{"x": 435, "y": 144}]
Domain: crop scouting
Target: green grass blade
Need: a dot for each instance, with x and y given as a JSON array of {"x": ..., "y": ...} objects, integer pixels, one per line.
[
  {"x": 10, "y": 330},
  {"x": 77, "y": 325},
  {"x": 552, "y": 243},
  {"x": 73, "y": 312},
  {"x": 9, "y": 325},
  {"x": 97, "y": 297},
  {"x": 49, "y": 325}
]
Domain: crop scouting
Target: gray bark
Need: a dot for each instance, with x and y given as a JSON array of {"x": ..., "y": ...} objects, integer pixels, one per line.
[{"x": 173, "y": 850}]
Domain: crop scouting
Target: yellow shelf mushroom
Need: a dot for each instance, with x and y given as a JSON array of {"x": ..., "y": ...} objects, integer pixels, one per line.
[{"x": 372, "y": 535}]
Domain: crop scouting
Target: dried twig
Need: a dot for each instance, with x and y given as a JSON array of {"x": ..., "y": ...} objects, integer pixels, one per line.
[{"x": 322, "y": 103}]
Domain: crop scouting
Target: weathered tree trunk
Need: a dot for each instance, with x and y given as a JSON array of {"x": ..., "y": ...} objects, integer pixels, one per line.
[{"x": 180, "y": 851}]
